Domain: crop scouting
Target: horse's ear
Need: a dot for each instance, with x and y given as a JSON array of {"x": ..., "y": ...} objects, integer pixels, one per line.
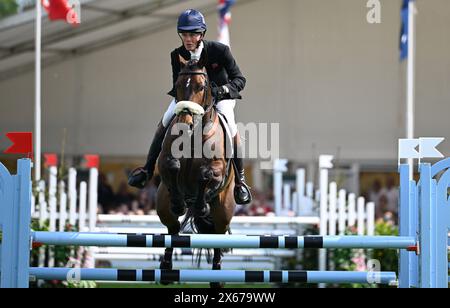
[
  {"x": 183, "y": 61},
  {"x": 203, "y": 59}
]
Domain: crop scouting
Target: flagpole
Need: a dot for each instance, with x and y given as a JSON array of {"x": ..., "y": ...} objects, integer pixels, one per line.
[
  {"x": 411, "y": 78},
  {"x": 37, "y": 110}
]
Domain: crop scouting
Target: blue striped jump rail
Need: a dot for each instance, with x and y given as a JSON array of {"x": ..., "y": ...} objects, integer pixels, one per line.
[
  {"x": 241, "y": 276},
  {"x": 221, "y": 241}
]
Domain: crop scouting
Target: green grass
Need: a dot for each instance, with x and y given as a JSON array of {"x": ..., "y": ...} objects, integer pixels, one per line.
[{"x": 178, "y": 286}]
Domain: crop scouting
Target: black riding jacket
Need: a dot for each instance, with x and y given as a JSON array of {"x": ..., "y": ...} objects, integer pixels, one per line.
[{"x": 222, "y": 69}]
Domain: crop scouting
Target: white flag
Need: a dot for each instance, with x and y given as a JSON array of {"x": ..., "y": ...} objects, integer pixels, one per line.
[{"x": 325, "y": 161}]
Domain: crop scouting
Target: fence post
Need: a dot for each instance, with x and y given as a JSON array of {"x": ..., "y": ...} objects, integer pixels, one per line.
[{"x": 15, "y": 216}]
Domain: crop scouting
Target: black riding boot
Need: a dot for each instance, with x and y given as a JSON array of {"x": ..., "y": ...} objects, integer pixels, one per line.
[
  {"x": 242, "y": 194},
  {"x": 140, "y": 176}
]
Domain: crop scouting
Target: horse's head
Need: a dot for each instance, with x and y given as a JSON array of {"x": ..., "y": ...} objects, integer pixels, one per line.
[{"x": 193, "y": 91}]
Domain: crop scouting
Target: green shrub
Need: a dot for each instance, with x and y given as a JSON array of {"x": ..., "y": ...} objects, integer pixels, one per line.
[{"x": 8, "y": 7}]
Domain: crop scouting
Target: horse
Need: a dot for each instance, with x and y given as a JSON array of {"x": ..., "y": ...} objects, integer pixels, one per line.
[{"x": 199, "y": 186}]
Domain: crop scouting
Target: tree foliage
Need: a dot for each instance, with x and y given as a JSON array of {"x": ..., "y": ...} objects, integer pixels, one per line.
[{"x": 8, "y": 7}]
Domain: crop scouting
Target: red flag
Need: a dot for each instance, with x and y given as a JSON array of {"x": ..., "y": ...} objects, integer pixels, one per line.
[
  {"x": 60, "y": 9},
  {"x": 22, "y": 143},
  {"x": 51, "y": 160},
  {"x": 92, "y": 161}
]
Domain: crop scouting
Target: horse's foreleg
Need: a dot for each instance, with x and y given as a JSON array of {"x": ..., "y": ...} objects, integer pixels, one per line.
[
  {"x": 177, "y": 203},
  {"x": 205, "y": 177},
  {"x": 166, "y": 262},
  {"x": 214, "y": 177},
  {"x": 170, "y": 221},
  {"x": 222, "y": 209},
  {"x": 217, "y": 265},
  {"x": 217, "y": 260}
]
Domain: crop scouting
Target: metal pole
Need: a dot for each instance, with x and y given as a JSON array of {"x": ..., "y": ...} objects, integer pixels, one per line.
[
  {"x": 411, "y": 78},
  {"x": 37, "y": 110},
  {"x": 212, "y": 275},
  {"x": 221, "y": 241}
]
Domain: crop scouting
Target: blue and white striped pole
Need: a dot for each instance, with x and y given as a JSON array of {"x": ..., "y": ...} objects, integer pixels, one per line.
[
  {"x": 222, "y": 241},
  {"x": 213, "y": 276}
]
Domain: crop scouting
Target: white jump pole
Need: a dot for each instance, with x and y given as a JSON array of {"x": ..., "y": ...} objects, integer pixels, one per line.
[
  {"x": 332, "y": 209},
  {"x": 82, "y": 210},
  {"x": 370, "y": 218},
  {"x": 62, "y": 206},
  {"x": 295, "y": 206},
  {"x": 286, "y": 199},
  {"x": 43, "y": 213},
  {"x": 53, "y": 174},
  {"x": 278, "y": 169},
  {"x": 300, "y": 188},
  {"x": 93, "y": 200},
  {"x": 410, "y": 102},
  {"x": 43, "y": 216},
  {"x": 323, "y": 218},
  {"x": 325, "y": 163},
  {"x": 351, "y": 217},
  {"x": 37, "y": 89},
  {"x": 361, "y": 215},
  {"x": 33, "y": 204},
  {"x": 332, "y": 216},
  {"x": 72, "y": 189},
  {"x": 309, "y": 199},
  {"x": 310, "y": 190},
  {"x": 342, "y": 211},
  {"x": 317, "y": 196},
  {"x": 323, "y": 201},
  {"x": 278, "y": 183}
]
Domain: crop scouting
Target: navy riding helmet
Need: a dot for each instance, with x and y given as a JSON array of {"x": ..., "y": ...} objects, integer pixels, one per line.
[{"x": 191, "y": 21}]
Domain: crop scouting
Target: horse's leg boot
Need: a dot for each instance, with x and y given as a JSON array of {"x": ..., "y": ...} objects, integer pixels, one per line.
[{"x": 242, "y": 194}]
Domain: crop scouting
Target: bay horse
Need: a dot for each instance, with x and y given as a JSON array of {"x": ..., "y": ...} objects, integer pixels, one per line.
[{"x": 200, "y": 187}]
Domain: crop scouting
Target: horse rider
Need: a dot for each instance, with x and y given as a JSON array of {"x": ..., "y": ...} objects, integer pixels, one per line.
[{"x": 227, "y": 81}]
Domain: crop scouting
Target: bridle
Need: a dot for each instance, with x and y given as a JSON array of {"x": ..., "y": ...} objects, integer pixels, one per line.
[{"x": 205, "y": 87}]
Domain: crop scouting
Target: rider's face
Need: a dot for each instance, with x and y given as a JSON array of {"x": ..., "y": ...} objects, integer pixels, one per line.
[{"x": 191, "y": 40}]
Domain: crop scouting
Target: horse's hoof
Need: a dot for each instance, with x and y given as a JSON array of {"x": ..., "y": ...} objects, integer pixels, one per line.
[
  {"x": 217, "y": 285},
  {"x": 217, "y": 266},
  {"x": 164, "y": 265}
]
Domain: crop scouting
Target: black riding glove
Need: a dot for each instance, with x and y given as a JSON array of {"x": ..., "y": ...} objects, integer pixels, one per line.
[{"x": 219, "y": 93}]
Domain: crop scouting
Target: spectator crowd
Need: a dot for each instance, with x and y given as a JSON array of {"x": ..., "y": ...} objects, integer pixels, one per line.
[{"x": 128, "y": 201}]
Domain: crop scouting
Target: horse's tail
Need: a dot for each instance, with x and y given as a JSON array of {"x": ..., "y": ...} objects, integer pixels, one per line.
[{"x": 203, "y": 225}]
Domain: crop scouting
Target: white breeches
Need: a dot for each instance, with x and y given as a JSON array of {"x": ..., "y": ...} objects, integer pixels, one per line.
[{"x": 225, "y": 107}]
